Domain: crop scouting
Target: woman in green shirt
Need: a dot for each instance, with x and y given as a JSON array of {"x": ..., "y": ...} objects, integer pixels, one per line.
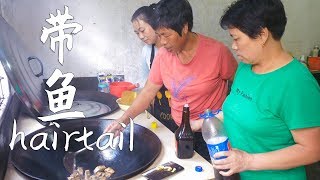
[{"x": 272, "y": 114}]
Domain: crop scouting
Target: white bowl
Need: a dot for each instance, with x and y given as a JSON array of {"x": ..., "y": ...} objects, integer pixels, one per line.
[{"x": 122, "y": 106}]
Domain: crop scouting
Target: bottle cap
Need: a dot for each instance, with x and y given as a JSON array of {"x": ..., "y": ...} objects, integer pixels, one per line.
[
  {"x": 208, "y": 113},
  {"x": 198, "y": 168},
  {"x": 102, "y": 85},
  {"x": 154, "y": 125}
]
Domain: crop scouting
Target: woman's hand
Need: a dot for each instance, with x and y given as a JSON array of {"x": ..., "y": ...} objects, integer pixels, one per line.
[
  {"x": 235, "y": 161},
  {"x": 196, "y": 125},
  {"x": 220, "y": 116},
  {"x": 115, "y": 127}
]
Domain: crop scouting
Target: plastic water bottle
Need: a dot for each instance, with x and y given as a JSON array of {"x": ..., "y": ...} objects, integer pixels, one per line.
[
  {"x": 214, "y": 135},
  {"x": 103, "y": 87}
]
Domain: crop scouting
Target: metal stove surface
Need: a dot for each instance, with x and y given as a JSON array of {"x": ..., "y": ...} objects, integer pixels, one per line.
[
  {"x": 27, "y": 125},
  {"x": 89, "y": 108}
]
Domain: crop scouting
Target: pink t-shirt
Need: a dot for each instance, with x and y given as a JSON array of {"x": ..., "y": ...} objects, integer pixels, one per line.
[{"x": 201, "y": 83}]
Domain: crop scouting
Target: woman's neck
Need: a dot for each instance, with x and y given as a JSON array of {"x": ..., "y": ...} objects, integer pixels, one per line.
[
  {"x": 157, "y": 44},
  {"x": 189, "y": 50},
  {"x": 273, "y": 58}
]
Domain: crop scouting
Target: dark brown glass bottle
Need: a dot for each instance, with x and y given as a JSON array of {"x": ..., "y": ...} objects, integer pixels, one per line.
[{"x": 184, "y": 136}]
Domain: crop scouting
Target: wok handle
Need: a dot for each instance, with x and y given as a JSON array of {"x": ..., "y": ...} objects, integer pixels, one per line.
[{"x": 41, "y": 65}]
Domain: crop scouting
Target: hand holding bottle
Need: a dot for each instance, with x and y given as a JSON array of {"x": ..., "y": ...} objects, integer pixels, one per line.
[
  {"x": 235, "y": 161},
  {"x": 217, "y": 141}
]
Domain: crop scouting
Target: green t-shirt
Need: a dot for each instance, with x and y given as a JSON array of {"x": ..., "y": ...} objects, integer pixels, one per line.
[{"x": 262, "y": 109}]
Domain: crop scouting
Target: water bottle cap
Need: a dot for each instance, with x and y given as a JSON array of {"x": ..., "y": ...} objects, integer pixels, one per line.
[
  {"x": 209, "y": 114},
  {"x": 102, "y": 85},
  {"x": 198, "y": 168}
]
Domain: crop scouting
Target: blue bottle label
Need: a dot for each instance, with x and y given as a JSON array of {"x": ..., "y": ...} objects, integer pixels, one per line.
[{"x": 218, "y": 144}]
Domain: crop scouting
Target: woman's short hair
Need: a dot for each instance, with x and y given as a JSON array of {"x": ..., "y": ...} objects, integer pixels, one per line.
[
  {"x": 174, "y": 14},
  {"x": 145, "y": 13},
  {"x": 251, "y": 16}
]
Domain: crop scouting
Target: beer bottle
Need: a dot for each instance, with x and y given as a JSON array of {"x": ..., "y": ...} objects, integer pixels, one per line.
[{"x": 184, "y": 136}]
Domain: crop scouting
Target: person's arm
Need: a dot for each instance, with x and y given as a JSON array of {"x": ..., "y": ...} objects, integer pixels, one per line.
[
  {"x": 305, "y": 151},
  {"x": 141, "y": 103}
]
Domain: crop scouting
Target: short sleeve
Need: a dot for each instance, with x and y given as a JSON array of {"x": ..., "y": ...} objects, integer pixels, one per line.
[
  {"x": 155, "y": 72},
  {"x": 301, "y": 103},
  {"x": 228, "y": 63}
]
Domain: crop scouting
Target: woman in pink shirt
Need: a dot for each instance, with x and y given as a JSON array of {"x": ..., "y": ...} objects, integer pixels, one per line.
[{"x": 194, "y": 68}]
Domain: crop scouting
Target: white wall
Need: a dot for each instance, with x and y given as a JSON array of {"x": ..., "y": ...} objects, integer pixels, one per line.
[{"x": 107, "y": 41}]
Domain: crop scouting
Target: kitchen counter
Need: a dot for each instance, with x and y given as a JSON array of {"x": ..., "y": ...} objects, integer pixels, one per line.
[{"x": 28, "y": 125}]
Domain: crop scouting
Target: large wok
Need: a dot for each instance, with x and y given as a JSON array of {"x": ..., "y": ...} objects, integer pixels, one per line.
[{"x": 48, "y": 164}]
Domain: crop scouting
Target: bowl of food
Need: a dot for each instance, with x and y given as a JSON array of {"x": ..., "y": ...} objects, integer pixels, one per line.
[
  {"x": 122, "y": 106},
  {"x": 126, "y": 99}
]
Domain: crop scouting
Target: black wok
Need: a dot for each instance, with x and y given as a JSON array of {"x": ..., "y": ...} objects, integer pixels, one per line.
[{"x": 48, "y": 164}]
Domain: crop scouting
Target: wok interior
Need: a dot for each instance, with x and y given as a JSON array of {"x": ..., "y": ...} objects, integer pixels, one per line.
[
  {"x": 44, "y": 164},
  {"x": 93, "y": 104}
]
